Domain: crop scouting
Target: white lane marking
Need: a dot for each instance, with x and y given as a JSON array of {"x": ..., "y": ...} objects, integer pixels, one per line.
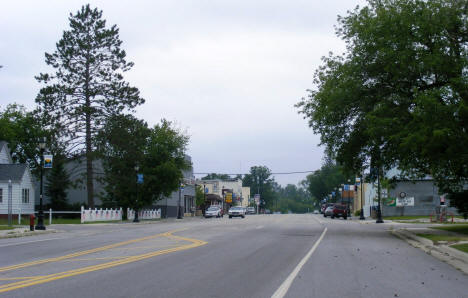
[
  {"x": 259, "y": 227},
  {"x": 283, "y": 289},
  {"x": 26, "y": 242}
]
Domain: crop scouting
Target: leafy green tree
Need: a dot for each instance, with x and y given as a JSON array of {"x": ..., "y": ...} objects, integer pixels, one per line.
[
  {"x": 57, "y": 183},
  {"x": 22, "y": 130},
  {"x": 323, "y": 181},
  {"x": 164, "y": 161},
  {"x": 399, "y": 96},
  {"x": 87, "y": 86},
  {"x": 121, "y": 146},
  {"x": 214, "y": 176},
  {"x": 200, "y": 197},
  {"x": 260, "y": 182}
]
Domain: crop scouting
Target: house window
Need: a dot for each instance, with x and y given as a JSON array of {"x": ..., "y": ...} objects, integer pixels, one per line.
[
  {"x": 1, "y": 195},
  {"x": 25, "y": 195}
]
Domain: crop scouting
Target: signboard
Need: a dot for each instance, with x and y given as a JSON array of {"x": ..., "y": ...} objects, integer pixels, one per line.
[
  {"x": 442, "y": 200},
  {"x": 406, "y": 201},
  {"x": 228, "y": 197},
  {"x": 48, "y": 161},
  {"x": 257, "y": 199},
  {"x": 139, "y": 178},
  {"x": 390, "y": 201}
]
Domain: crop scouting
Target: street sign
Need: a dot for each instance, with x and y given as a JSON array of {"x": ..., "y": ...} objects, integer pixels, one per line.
[
  {"x": 257, "y": 199},
  {"x": 48, "y": 161},
  {"x": 139, "y": 178}
]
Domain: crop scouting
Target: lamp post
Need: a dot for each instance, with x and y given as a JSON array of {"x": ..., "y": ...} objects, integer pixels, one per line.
[
  {"x": 135, "y": 219},
  {"x": 379, "y": 207},
  {"x": 40, "y": 217},
  {"x": 360, "y": 181},
  {"x": 204, "y": 199},
  {"x": 179, "y": 215}
]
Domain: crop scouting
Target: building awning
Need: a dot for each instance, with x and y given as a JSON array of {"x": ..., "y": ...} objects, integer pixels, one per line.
[{"x": 213, "y": 197}]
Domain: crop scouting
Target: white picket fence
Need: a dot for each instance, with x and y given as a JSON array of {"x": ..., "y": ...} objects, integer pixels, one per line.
[
  {"x": 144, "y": 214},
  {"x": 100, "y": 214}
]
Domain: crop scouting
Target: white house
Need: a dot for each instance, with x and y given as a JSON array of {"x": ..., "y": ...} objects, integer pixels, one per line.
[{"x": 21, "y": 183}]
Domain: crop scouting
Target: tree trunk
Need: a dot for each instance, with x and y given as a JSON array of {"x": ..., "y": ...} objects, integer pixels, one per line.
[{"x": 89, "y": 150}]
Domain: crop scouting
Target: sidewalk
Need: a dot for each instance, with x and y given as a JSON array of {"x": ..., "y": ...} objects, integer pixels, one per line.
[
  {"x": 443, "y": 252},
  {"x": 21, "y": 232}
]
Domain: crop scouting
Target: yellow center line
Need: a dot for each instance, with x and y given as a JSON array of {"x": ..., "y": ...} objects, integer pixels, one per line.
[
  {"x": 85, "y": 252},
  {"x": 16, "y": 278},
  {"x": 60, "y": 275}
]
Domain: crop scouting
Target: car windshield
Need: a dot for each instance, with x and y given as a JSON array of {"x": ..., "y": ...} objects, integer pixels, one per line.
[
  {"x": 213, "y": 208},
  {"x": 236, "y": 208}
]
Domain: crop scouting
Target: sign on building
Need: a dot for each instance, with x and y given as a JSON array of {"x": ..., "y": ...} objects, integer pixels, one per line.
[
  {"x": 228, "y": 197},
  {"x": 407, "y": 201}
]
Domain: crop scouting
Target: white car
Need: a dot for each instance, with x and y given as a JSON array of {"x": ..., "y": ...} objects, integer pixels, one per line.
[
  {"x": 237, "y": 212},
  {"x": 214, "y": 211}
]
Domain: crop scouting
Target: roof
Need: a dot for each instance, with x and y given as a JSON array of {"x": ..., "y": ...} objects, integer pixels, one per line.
[{"x": 13, "y": 172}]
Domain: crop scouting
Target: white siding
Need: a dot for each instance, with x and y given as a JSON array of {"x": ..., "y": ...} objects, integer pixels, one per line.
[
  {"x": 17, "y": 202},
  {"x": 5, "y": 157}
]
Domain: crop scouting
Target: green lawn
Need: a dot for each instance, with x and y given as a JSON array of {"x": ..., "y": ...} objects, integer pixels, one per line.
[
  {"x": 6, "y": 228},
  {"x": 459, "y": 228},
  {"x": 408, "y": 217},
  {"x": 436, "y": 238},
  {"x": 462, "y": 247}
]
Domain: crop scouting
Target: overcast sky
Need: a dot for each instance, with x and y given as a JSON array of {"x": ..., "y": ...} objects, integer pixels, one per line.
[{"x": 228, "y": 72}]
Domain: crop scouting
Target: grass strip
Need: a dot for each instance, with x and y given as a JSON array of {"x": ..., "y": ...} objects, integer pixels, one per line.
[
  {"x": 446, "y": 238},
  {"x": 460, "y": 228},
  {"x": 461, "y": 247}
]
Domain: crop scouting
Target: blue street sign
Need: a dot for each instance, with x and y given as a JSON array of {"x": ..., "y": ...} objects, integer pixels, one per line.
[
  {"x": 139, "y": 178},
  {"x": 206, "y": 189}
]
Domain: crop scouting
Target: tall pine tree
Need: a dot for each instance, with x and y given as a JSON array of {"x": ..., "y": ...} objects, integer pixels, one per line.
[{"x": 87, "y": 85}]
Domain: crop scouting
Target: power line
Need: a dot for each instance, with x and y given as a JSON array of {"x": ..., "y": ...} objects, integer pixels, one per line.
[{"x": 281, "y": 173}]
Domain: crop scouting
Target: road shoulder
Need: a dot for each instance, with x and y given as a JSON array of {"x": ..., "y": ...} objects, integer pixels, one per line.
[{"x": 451, "y": 256}]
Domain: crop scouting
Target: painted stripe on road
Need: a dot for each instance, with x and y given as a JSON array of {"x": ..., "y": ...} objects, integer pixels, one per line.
[
  {"x": 80, "y": 253},
  {"x": 26, "y": 242},
  {"x": 283, "y": 289},
  {"x": 56, "y": 276}
]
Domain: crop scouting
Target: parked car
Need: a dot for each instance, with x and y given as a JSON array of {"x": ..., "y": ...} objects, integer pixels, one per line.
[
  {"x": 340, "y": 211},
  {"x": 214, "y": 211},
  {"x": 236, "y": 212},
  {"x": 316, "y": 211},
  {"x": 325, "y": 206},
  {"x": 251, "y": 210},
  {"x": 328, "y": 211}
]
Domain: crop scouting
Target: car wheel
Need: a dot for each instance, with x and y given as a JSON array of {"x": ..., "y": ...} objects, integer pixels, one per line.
[
  {"x": 243, "y": 216},
  {"x": 332, "y": 216},
  {"x": 230, "y": 216},
  {"x": 345, "y": 217},
  {"x": 324, "y": 215}
]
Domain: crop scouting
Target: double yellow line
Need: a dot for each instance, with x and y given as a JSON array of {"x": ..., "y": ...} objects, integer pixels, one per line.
[{"x": 51, "y": 277}]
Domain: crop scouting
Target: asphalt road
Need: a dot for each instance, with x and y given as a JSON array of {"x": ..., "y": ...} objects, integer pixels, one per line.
[{"x": 259, "y": 256}]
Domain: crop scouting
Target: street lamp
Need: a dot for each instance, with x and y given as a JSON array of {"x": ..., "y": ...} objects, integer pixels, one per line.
[
  {"x": 179, "y": 215},
  {"x": 40, "y": 218},
  {"x": 360, "y": 181},
  {"x": 135, "y": 219}
]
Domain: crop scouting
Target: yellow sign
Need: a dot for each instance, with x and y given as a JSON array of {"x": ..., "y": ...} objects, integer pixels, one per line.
[{"x": 228, "y": 197}]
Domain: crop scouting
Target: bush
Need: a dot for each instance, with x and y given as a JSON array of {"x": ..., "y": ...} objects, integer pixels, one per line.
[{"x": 357, "y": 213}]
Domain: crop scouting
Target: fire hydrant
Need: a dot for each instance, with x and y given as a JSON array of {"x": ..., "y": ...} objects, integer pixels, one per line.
[{"x": 31, "y": 222}]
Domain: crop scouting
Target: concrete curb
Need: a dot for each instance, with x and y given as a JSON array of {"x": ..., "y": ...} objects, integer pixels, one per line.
[
  {"x": 24, "y": 232},
  {"x": 451, "y": 256}
]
